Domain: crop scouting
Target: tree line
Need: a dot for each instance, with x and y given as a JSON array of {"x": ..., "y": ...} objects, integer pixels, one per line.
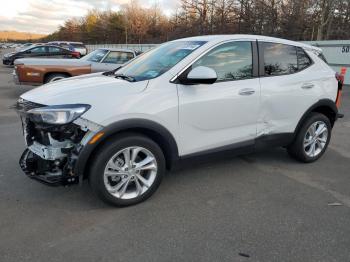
[{"x": 291, "y": 19}]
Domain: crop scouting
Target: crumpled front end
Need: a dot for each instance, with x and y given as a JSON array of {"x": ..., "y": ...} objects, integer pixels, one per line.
[{"x": 52, "y": 150}]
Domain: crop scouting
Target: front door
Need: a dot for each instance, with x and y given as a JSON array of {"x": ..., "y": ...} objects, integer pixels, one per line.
[{"x": 224, "y": 113}]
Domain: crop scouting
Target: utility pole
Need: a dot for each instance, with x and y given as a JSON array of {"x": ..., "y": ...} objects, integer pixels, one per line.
[{"x": 126, "y": 29}]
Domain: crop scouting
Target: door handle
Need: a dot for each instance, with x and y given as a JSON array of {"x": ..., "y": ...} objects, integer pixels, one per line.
[
  {"x": 307, "y": 86},
  {"x": 246, "y": 92}
]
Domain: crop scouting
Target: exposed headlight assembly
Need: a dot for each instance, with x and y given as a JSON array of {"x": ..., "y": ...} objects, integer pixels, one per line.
[{"x": 58, "y": 114}]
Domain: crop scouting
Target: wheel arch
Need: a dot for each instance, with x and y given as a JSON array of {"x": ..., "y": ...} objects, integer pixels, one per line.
[
  {"x": 323, "y": 106},
  {"x": 47, "y": 74},
  {"x": 151, "y": 129}
]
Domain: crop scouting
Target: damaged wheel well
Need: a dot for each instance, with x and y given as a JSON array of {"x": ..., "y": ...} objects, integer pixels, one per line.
[{"x": 155, "y": 132}]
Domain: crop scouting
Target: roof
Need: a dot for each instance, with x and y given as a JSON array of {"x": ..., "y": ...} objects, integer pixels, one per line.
[
  {"x": 219, "y": 38},
  {"x": 116, "y": 49},
  {"x": 67, "y": 42}
]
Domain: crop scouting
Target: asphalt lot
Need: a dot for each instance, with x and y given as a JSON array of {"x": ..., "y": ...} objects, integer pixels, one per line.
[{"x": 264, "y": 205}]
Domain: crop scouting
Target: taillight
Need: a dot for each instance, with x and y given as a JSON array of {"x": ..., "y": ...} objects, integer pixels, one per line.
[
  {"x": 76, "y": 54},
  {"x": 340, "y": 79}
]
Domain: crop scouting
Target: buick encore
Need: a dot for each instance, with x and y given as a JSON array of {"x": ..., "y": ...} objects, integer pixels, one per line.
[{"x": 123, "y": 129}]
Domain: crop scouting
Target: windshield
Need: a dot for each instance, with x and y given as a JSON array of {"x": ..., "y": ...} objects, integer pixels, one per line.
[
  {"x": 159, "y": 60},
  {"x": 95, "y": 56}
]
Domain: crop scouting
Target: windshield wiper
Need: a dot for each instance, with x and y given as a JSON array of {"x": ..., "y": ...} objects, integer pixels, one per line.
[
  {"x": 109, "y": 73},
  {"x": 125, "y": 77}
]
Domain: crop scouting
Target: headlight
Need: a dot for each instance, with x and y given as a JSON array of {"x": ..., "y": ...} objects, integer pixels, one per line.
[{"x": 58, "y": 114}]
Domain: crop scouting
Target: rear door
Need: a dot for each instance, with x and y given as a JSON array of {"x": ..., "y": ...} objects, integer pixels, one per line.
[{"x": 288, "y": 87}]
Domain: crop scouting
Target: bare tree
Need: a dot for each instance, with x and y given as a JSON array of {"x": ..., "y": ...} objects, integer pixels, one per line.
[{"x": 292, "y": 19}]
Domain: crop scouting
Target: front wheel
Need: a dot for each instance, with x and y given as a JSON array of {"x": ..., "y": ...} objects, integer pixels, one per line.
[
  {"x": 312, "y": 139},
  {"x": 55, "y": 77},
  {"x": 128, "y": 170}
]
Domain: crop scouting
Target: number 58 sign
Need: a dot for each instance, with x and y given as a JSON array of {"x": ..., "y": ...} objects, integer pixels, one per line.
[{"x": 345, "y": 49}]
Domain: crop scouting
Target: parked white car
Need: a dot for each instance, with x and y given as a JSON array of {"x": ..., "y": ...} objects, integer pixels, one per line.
[{"x": 188, "y": 97}]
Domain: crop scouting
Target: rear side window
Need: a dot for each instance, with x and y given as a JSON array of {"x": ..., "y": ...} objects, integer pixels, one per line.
[
  {"x": 323, "y": 58},
  {"x": 304, "y": 60},
  {"x": 53, "y": 49},
  {"x": 279, "y": 59},
  {"x": 231, "y": 61}
]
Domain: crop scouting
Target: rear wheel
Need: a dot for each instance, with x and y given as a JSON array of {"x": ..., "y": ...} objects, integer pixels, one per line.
[
  {"x": 55, "y": 77},
  {"x": 312, "y": 139},
  {"x": 128, "y": 170}
]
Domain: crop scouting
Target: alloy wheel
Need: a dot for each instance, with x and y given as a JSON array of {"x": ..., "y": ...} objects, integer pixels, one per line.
[
  {"x": 315, "y": 138},
  {"x": 130, "y": 172}
]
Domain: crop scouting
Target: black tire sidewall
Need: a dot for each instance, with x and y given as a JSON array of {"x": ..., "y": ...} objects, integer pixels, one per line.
[
  {"x": 50, "y": 77},
  {"x": 110, "y": 148},
  {"x": 297, "y": 149}
]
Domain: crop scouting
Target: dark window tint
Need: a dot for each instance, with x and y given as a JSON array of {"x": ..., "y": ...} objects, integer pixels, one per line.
[
  {"x": 304, "y": 60},
  {"x": 115, "y": 57},
  {"x": 53, "y": 49},
  {"x": 323, "y": 58},
  {"x": 66, "y": 46},
  {"x": 39, "y": 49},
  {"x": 231, "y": 61},
  {"x": 279, "y": 59},
  {"x": 77, "y": 45}
]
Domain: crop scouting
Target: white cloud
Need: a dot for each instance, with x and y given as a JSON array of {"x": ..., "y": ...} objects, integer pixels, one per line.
[{"x": 44, "y": 16}]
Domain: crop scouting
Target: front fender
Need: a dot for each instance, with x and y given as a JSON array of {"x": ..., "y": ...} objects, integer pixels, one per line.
[{"x": 150, "y": 128}]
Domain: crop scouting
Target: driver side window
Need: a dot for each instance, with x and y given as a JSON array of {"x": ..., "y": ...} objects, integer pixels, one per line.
[{"x": 231, "y": 61}]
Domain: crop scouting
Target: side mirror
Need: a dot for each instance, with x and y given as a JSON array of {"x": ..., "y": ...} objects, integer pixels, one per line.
[
  {"x": 201, "y": 75},
  {"x": 28, "y": 52}
]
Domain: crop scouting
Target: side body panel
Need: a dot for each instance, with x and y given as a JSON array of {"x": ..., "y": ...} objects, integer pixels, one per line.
[
  {"x": 36, "y": 73},
  {"x": 285, "y": 98},
  {"x": 216, "y": 115}
]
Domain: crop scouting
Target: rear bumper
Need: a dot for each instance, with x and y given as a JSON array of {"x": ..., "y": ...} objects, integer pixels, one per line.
[
  {"x": 339, "y": 115},
  {"x": 15, "y": 78}
]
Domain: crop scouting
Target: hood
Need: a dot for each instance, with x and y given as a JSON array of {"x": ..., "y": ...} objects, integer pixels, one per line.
[
  {"x": 9, "y": 54},
  {"x": 52, "y": 62},
  {"x": 93, "y": 89}
]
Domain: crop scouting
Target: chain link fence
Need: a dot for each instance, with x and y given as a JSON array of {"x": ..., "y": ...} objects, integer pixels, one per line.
[{"x": 136, "y": 47}]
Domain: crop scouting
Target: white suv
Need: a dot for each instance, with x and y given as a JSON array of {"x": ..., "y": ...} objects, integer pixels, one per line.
[{"x": 123, "y": 129}]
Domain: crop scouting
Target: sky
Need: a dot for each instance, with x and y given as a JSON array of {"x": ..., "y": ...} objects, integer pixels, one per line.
[{"x": 44, "y": 16}]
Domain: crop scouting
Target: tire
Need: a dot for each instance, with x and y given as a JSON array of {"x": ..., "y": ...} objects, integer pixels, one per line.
[
  {"x": 110, "y": 160},
  {"x": 55, "y": 77},
  {"x": 308, "y": 147}
]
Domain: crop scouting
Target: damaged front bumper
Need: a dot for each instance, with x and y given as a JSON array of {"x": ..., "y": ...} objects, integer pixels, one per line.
[{"x": 53, "y": 150}]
